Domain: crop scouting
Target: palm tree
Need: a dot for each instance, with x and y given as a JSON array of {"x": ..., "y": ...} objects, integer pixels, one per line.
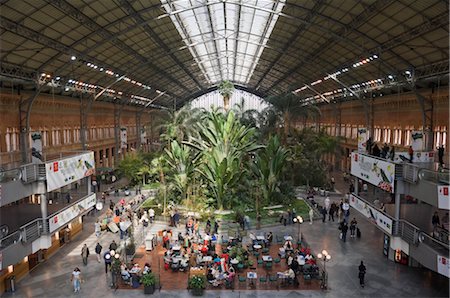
[
  {"x": 159, "y": 167},
  {"x": 289, "y": 106},
  {"x": 223, "y": 143},
  {"x": 179, "y": 124},
  {"x": 246, "y": 117},
  {"x": 226, "y": 89}
]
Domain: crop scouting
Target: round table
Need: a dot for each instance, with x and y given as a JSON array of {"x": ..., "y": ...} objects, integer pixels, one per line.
[{"x": 257, "y": 246}]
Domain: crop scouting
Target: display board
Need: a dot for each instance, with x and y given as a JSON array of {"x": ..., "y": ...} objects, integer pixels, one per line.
[
  {"x": 377, "y": 172},
  {"x": 443, "y": 267},
  {"x": 377, "y": 217},
  {"x": 65, "y": 171},
  {"x": 72, "y": 212},
  {"x": 422, "y": 156},
  {"x": 363, "y": 136},
  {"x": 443, "y": 197}
]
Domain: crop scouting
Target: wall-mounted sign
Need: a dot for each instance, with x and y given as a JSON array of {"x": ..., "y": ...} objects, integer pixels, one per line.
[
  {"x": 65, "y": 171},
  {"x": 36, "y": 147},
  {"x": 123, "y": 137},
  {"x": 72, "y": 212},
  {"x": 377, "y": 172},
  {"x": 443, "y": 266},
  {"x": 377, "y": 217},
  {"x": 443, "y": 197},
  {"x": 363, "y": 136}
]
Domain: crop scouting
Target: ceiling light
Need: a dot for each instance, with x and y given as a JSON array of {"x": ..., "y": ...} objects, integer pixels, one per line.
[
  {"x": 390, "y": 77},
  {"x": 101, "y": 69},
  {"x": 407, "y": 72},
  {"x": 73, "y": 58},
  {"x": 375, "y": 56}
]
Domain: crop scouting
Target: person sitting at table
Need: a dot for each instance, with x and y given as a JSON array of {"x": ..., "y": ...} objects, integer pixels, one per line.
[
  {"x": 126, "y": 276},
  {"x": 216, "y": 259},
  {"x": 180, "y": 238},
  {"x": 288, "y": 245},
  {"x": 295, "y": 266},
  {"x": 289, "y": 260},
  {"x": 136, "y": 268},
  {"x": 147, "y": 269},
  {"x": 199, "y": 258},
  {"x": 253, "y": 238},
  {"x": 184, "y": 263},
  {"x": 167, "y": 257},
  {"x": 210, "y": 276},
  {"x": 269, "y": 238},
  {"x": 204, "y": 250},
  {"x": 290, "y": 274}
]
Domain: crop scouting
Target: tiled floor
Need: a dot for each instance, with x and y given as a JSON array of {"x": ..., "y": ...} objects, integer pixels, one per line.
[{"x": 384, "y": 278}]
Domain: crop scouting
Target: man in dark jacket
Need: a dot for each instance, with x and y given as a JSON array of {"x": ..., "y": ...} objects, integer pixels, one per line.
[
  {"x": 98, "y": 251},
  {"x": 361, "y": 274}
]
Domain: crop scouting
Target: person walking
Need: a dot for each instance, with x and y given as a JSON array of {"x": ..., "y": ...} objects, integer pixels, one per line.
[
  {"x": 108, "y": 260},
  {"x": 333, "y": 208},
  {"x": 344, "y": 231},
  {"x": 76, "y": 280},
  {"x": 361, "y": 274},
  {"x": 353, "y": 224},
  {"x": 311, "y": 216},
  {"x": 113, "y": 246},
  {"x": 324, "y": 213},
  {"x": 411, "y": 153},
  {"x": 440, "y": 151},
  {"x": 216, "y": 227},
  {"x": 151, "y": 214},
  {"x": 85, "y": 254},
  {"x": 98, "y": 251}
]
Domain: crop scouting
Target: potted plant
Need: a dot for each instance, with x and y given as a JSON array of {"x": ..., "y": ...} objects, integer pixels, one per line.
[
  {"x": 149, "y": 282},
  {"x": 197, "y": 284}
]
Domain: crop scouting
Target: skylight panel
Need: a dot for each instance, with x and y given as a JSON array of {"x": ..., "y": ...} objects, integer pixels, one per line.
[{"x": 213, "y": 30}]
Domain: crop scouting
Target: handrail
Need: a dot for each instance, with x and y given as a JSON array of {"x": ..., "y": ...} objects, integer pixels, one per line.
[
  {"x": 10, "y": 239},
  {"x": 441, "y": 176},
  {"x": 419, "y": 236}
]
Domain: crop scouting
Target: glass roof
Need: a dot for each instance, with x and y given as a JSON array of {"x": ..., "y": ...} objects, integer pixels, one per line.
[
  {"x": 240, "y": 100},
  {"x": 225, "y": 37}
]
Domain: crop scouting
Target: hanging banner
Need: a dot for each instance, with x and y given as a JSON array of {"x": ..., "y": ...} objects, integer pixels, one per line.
[
  {"x": 377, "y": 172},
  {"x": 72, "y": 212},
  {"x": 143, "y": 136},
  {"x": 36, "y": 147},
  {"x": 417, "y": 156},
  {"x": 377, "y": 217},
  {"x": 417, "y": 140},
  {"x": 123, "y": 137},
  {"x": 363, "y": 136},
  {"x": 65, "y": 171},
  {"x": 443, "y": 266},
  {"x": 443, "y": 197}
]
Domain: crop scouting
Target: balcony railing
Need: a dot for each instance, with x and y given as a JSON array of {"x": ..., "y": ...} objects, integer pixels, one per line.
[{"x": 26, "y": 233}]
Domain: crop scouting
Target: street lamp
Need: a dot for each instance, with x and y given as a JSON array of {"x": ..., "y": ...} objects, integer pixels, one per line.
[
  {"x": 325, "y": 258},
  {"x": 298, "y": 220}
]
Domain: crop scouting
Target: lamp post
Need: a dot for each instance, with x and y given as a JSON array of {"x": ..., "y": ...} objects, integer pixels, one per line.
[
  {"x": 325, "y": 258},
  {"x": 299, "y": 221}
]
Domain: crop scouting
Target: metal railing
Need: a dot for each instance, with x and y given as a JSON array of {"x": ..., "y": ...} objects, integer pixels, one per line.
[
  {"x": 26, "y": 233},
  {"x": 441, "y": 176},
  {"x": 414, "y": 235}
]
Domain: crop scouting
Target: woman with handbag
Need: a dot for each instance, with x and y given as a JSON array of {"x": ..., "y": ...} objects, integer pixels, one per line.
[{"x": 76, "y": 280}]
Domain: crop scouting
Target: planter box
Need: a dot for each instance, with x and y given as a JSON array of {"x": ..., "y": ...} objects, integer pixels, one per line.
[
  {"x": 149, "y": 290},
  {"x": 197, "y": 292}
]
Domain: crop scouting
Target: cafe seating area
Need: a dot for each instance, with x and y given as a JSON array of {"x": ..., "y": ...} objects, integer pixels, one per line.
[{"x": 252, "y": 264}]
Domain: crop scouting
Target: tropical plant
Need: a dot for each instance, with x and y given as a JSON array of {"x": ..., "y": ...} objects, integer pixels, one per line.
[
  {"x": 197, "y": 282},
  {"x": 179, "y": 124},
  {"x": 289, "y": 106},
  {"x": 129, "y": 167},
  {"x": 223, "y": 143},
  {"x": 268, "y": 168},
  {"x": 148, "y": 279},
  {"x": 226, "y": 89}
]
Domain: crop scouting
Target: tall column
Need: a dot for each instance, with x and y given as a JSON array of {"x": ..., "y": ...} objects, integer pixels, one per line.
[{"x": 44, "y": 211}]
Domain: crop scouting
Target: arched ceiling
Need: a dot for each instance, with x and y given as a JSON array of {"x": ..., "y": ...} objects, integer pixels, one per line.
[{"x": 161, "y": 52}]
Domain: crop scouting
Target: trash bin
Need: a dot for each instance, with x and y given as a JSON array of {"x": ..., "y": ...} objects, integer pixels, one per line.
[{"x": 10, "y": 284}]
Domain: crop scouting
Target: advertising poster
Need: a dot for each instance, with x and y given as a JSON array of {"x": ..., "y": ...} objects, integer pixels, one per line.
[
  {"x": 363, "y": 136},
  {"x": 123, "y": 137},
  {"x": 65, "y": 171},
  {"x": 422, "y": 156},
  {"x": 443, "y": 266},
  {"x": 377, "y": 217},
  {"x": 417, "y": 140},
  {"x": 72, "y": 212},
  {"x": 443, "y": 197},
  {"x": 377, "y": 172},
  {"x": 36, "y": 147}
]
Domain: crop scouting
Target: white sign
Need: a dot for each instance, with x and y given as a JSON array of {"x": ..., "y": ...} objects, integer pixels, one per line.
[
  {"x": 36, "y": 147},
  {"x": 443, "y": 266},
  {"x": 418, "y": 156},
  {"x": 123, "y": 137},
  {"x": 443, "y": 197},
  {"x": 377, "y": 172},
  {"x": 363, "y": 136},
  {"x": 377, "y": 217},
  {"x": 65, "y": 171},
  {"x": 72, "y": 212},
  {"x": 417, "y": 140}
]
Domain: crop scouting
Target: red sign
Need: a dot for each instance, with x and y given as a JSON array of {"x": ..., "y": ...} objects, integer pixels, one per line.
[{"x": 55, "y": 166}]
